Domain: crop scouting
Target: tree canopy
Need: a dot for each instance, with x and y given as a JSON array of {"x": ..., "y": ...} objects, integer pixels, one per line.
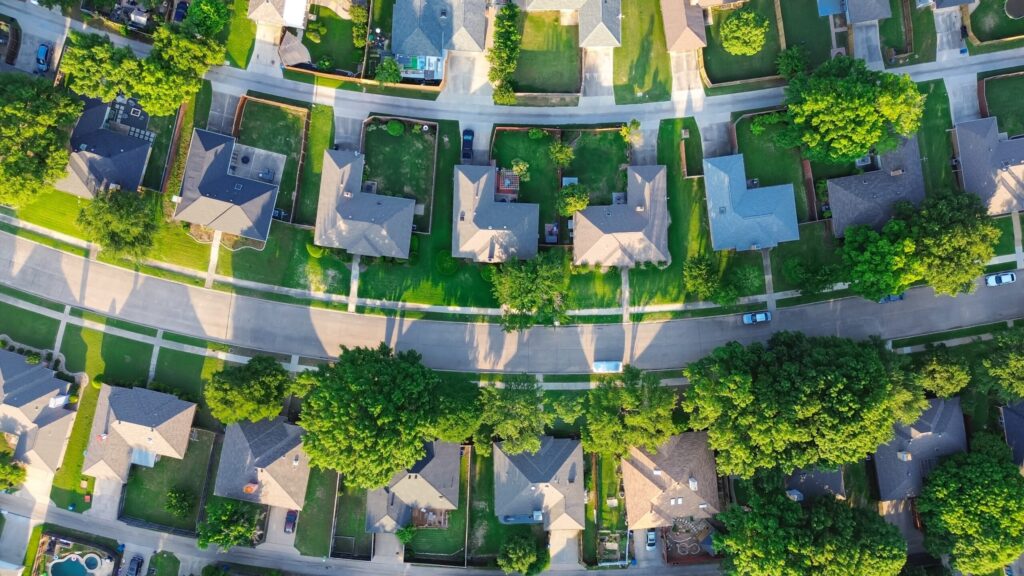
[
  {"x": 123, "y": 222},
  {"x": 632, "y": 409},
  {"x": 388, "y": 72},
  {"x": 227, "y": 523},
  {"x": 799, "y": 401},
  {"x": 744, "y": 32},
  {"x": 206, "y": 18},
  {"x": 883, "y": 264},
  {"x": 254, "y": 391},
  {"x": 700, "y": 277},
  {"x": 520, "y": 555},
  {"x": 1005, "y": 365},
  {"x": 972, "y": 507},
  {"x": 515, "y": 413},
  {"x": 531, "y": 291},
  {"x": 955, "y": 239},
  {"x": 12, "y": 472},
  {"x": 572, "y": 199},
  {"x": 942, "y": 374},
  {"x": 503, "y": 56}
]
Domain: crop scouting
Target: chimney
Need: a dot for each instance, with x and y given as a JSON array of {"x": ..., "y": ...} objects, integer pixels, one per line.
[
  {"x": 896, "y": 172},
  {"x": 904, "y": 456},
  {"x": 693, "y": 484}
]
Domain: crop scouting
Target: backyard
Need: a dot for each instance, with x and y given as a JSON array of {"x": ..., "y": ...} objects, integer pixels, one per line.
[
  {"x": 600, "y": 162},
  {"x": 277, "y": 128},
  {"x": 549, "y": 57},
  {"x": 319, "y": 139},
  {"x": 770, "y": 164},
  {"x": 894, "y": 39},
  {"x": 164, "y": 564},
  {"x": 541, "y": 182},
  {"x": 239, "y": 35},
  {"x": 313, "y": 530},
  {"x": 642, "y": 69},
  {"x": 724, "y": 67},
  {"x": 403, "y": 165},
  {"x": 69, "y": 485},
  {"x": 816, "y": 248},
  {"x": 803, "y": 27},
  {"x": 163, "y": 127},
  {"x": 350, "y": 536},
  {"x": 446, "y": 545},
  {"x": 1003, "y": 96},
  {"x": 486, "y": 534},
  {"x": 336, "y": 44},
  {"x": 990, "y": 22},
  {"x": 933, "y": 137},
  {"x": 186, "y": 373}
]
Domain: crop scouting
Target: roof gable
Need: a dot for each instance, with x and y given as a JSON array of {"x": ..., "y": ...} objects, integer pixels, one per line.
[
  {"x": 549, "y": 481},
  {"x": 486, "y": 230},
  {"x": 991, "y": 165},
  {"x": 263, "y": 462},
  {"x": 902, "y": 463},
  {"x": 742, "y": 218}
]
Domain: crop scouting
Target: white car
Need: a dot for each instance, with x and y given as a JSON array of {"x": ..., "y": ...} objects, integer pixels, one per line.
[
  {"x": 1000, "y": 279},
  {"x": 752, "y": 318},
  {"x": 652, "y": 539}
]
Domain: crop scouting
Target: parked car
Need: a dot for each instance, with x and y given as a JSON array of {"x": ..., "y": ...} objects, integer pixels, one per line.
[
  {"x": 180, "y": 11},
  {"x": 467, "y": 145},
  {"x": 289, "y": 521},
  {"x": 135, "y": 566},
  {"x": 891, "y": 298},
  {"x": 1000, "y": 279},
  {"x": 652, "y": 539},
  {"x": 752, "y": 318},
  {"x": 43, "y": 59},
  {"x": 279, "y": 214}
]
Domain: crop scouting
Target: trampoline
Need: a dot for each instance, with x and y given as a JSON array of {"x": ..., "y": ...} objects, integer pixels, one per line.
[{"x": 1015, "y": 9}]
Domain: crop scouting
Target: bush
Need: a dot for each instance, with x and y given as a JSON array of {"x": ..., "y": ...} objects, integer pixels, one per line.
[
  {"x": 700, "y": 278},
  {"x": 325, "y": 63},
  {"x": 792, "y": 61},
  {"x": 445, "y": 264},
  {"x": 33, "y": 358},
  {"x": 572, "y": 199},
  {"x": 504, "y": 95},
  {"x": 179, "y": 503},
  {"x": 359, "y": 17},
  {"x": 72, "y": 399},
  {"x": 388, "y": 72},
  {"x": 315, "y": 251},
  {"x": 504, "y": 53},
  {"x": 744, "y": 32},
  {"x": 396, "y": 127},
  {"x": 521, "y": 168},
  {"x": 405, "y": 534},
  {"x": 536, "y": 133},
  {"x": 315, "y": 30},
  {"x": 561, "y": 154}
]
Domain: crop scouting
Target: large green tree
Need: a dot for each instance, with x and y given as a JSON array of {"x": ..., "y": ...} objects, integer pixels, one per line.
[
  {"x": 799, "y": 401},
  {"x": 942, "y": 374},
  {"x": 1005, "y": 364},
  {"x": 632, "y": 409},
  {"x": 955, "y": 239},
  {"x": 12, "y": 472},
  {"x": 96, "y": 68},
  {"x": 206, "y": 18},
  {"x": 254, "y": 391},
  {"x": 881, "y": 265},
  {"x": 700, "y": 277},
  {"x": 227, "y": 523},
  {"x": 531, "y": 291},
  {"x": 744, "y": 32},
  {"x": 520, "y": 555},
  {"x": 972, "y": 507},
  {"x": 35, "y": 123},
  {"x": 503, "y": 55},
  {"x": 515, "y": 413},
  {"x": 571, "y": 199},
  {"x": 122, "y": 222}
]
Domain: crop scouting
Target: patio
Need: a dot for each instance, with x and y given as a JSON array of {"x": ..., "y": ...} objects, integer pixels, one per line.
[
  {"x": 684, "y": 542},
  {"x": 427, "y": 518}
]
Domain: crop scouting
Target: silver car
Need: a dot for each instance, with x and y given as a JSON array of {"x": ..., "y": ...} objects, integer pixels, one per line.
[
  {"x": 752, "y": 318},
  {"x": 1000, "y": 279}
]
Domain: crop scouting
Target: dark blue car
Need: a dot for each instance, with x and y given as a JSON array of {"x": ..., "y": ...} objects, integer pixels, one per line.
[{"x": 180, "y": 11}]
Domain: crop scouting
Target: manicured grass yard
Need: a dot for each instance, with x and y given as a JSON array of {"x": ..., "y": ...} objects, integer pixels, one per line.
[
  {"x": 286, "y": 262},
  {"x": 350, "y": 536},
  {"x": 1003, "y": 97},
  {"x": 803, "y": 27},
  {"x": 933, "y": 137},
  {"x": 277, "y": 129},
  {"x": 600, "y": 162},
  {"x": 549, "y": 57},
  {"x": 593, "y": 288},
  {"x": 28, "y": 328},
  {"x": 1006, "y": 244},
  {"x": 724, "y": 67},
  {"x": 54, "y": 210},
  {"x": 816, "y": 248},
  {"x": 486, "y": 534},
  {"x": 447, "y": 545},
  {"x": 336, "y": 44},
  {"x": 858, "y": 484},
  {"x": 893, "y": 37},
  {"x": 187, "y": 372},
  {"x": 320, "y": 138},
  {"x": 313, "y": 531},
  {"x": 642, "y": 68},
  {"x": 163, "y": 127},
  {"x": 67, "y": 487},
  {"x": 165, "y": 564},
  {"x": 402, "y": 166},
  {"x": 990, "y": 22},
  {"x": 608, "y": 487},
  {"x": 543, "y": 181},
  {"x": 770, "y": 164},
  {"x": 146, "y": 495},
  {"x": 239, "y": 34},
  {"x": 114, "y": 359}
]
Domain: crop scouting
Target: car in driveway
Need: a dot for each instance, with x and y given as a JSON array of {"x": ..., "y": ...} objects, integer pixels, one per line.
[
  {"x": 467, "y": 145},
  {"x": 135, "y": 566},
  {"x": 289, "y": 521},
  {"x": 43, "y": 58},
  {"x": 1000, "y": 279},
  {"x": 652, "y": 539},
  {"x": 180, "y": 11},
  {"x": 761, "y": 317}
]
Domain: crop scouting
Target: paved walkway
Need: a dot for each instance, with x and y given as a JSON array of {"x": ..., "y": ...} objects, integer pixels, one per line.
[
  {"x": 624, "y": 294},
  {"x": 353, "y": 284},
  {"x": 769, "y": 284},
  {"x": 1017, "y": 240},
  {"x": 211, "y": 267}
]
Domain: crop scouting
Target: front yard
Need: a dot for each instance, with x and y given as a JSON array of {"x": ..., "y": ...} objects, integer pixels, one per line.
[
  {"x": 336, "y": 44},
  {"x": 724, "y": 67},
  {"x": 239, "y": 35},
  {"x": 933, "y": 137},
  {"x": 28, "y": 328},
  {"x": 320, "y": 138},
  {"x": 278, "y": 129},
  {"x": 187, "y": 373},
  {"x": 1003, "y": 95},
  {"x": 642, "y": 68},
  {"x": 113, "y": 359},
  {"x": 894, "y": 39},
  {"x": 313, "y": 530},
  {"x": 549, "y": 57},
  {"x": 770, "y": 164},
  {"x": 403, "y": 165},
  {"x": 445, "y": 545},
  {"x": 1006, "y": 243},
  {"x": 990, "y": 22},
  {"x": 350, "y": 536},
  {"x": 817, "y": 247}
]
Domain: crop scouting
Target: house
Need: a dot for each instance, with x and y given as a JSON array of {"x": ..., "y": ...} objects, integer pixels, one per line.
[
  {"x": 110, "y": 148},
  {"x": 990, "y": 165},
  {"x": 677, "y": 481},
  {"x": 856, "y": 11},
  {"x": 421, "y": 496},
  {"x": 869, "y": 198},
  {"x": 486, "y": 230},
  {"x": 902, "y": 464},
  {"x": 424, "y": 31},
  {"x": 743, "y": 215},
  {"x": 600, "y": 21},
  {"x": 292, "y": 51},
  {"x": 630, "y": 233},
  {"x": 542, "y": 488},
  {"x": 684, "y": 23},
  {"x": 229, "y": 187},
  {"x": 280, "y": 13},
  {"x": 135, "y": 426},
  {"x": 810, "y": 484},
  {"x": 263, "y": 462},
  {"x": 356, "y": 221},
  {"x": 1013, "y": 431},
  {"x": 33, "y": 413}
]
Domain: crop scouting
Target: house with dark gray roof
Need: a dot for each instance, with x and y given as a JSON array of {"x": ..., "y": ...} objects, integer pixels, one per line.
[
  {"x": 486, "y": 230},
  {"x": 421, "y": 496},
  {"x": 810, "y": 484},
  {"x": 33, "y": 412},
  {"x": 628, "y": 234},
  {"x": 135, "y": 426},
  {"x": 990, "y": 165},
  {"x": 359, "y": 222},
  {"x": 744, "y": 216},
  {"x": 868, "y": 199},
  {"x": 902, "y": 464},
  {"x": 858, "y": 11},
  {"x": 263, "y": 462},
  {"x": 1013, "y": 431},
  {"x": 542, "y": 488},
  {"x": 600, "y": 21},
  {"x": 676, "y": 481},
  {"x": 229, "y": 187},
  {"x": 282, "y": 13},
  {"x": 110, "y": 147},
  {"x": 424, "y": 31},
  {"x": 684, "y": 25}
]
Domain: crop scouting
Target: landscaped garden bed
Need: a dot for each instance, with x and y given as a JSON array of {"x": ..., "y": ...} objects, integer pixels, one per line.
[
  {"x": 549, "y": 57},
  {"x": 336, "y": 43},
  {"x": 721, "y": 66},
  {"x": 642, "y": 67}
]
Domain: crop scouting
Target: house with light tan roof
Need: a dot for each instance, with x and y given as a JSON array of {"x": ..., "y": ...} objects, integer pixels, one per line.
[
  {"x": 684, "y": 23},
  {"x": 542, "y": 488},
  {"x": 488, "y": 230}
]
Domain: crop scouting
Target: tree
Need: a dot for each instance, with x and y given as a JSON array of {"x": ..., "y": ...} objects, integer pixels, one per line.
[
  {"x": 700, "y": 277},
  {"x": 521, "y": 168},
  {"x": 942, "y": 374},
  {"x": 35, "y": 122},
  {"x": 96, "y": 68},
  {"x": 405, "y": 534},
  {"x": 227, "y": 523},
  {"x": 12, "y": 472},
  {"x": 504, "y": 53},
  {"x": 519, "y": 556},
  {"x": 179, "y": 502},
  {"x": 369, "y": 414},
  {"x": 206, "y": 18},
  {"x": 388, "y": 72},
  {"x": 572, "y": 199},
  {"x": 775, "y": 536},
  {"x": 255, "y": 391},
  {"x": 1006, "y": 363},
  {"x": 630, "y": 131},
  {"x": 798, "y": 402},
  {"x": 744, "y": 32},
  {"x": 515, "y": 413},
  {"x": 561, "y": 154},
  {"x": 881, "y": 265},
  {"x": 633, "y": 409},
  {"x": 359, "y": 17},
  {"x": 972, "y": 507},
  {"x": 123, "y": 222},
  {"x": 531, "y": 291},
  {"x": 792, "y": 61},
  {"x": 955, "y": 239},
  {"x": 504, "y": 95}
]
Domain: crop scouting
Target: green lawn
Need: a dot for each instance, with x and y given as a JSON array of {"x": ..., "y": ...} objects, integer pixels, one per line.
[
  {"x": 608, "y": 481},
  {"x": 803, "y": 27},
  {"x": 115, "y": 360},
  {"x": 858, "y": 485},
  {"x": 67, "y": 490},
  {"x": 380, "y": 15},
  {"x": 402, "y": 166},
  {"x": 933, "y": 137},
  {"x": 350, "y": 536},
  {"x": 543, "y": 182},
  {"x": 816, "y": 248},
  {"x": 447, "y": 544},
  {"x": 890, "y": 30},
  {"x": 187, "y": 373},
  {"x": 239, "y": 35},
  {"x": 277, "y": 129},
  {"x": 1003, "y": 95},
  {"x": 163, "y": 127},
  {"x": 486, "y": 534},
  {"x": 113, "y": 322},
  {"x": 165, "y": 564},
  {"x": 336, "y": 44},
  {"x": 590, "y": 533},
  {"x": 593, "y": 288},
  {"x": 990, "y": 22},
  {"x": 1006, "y": 244},
  {"x": 724, "y": 67},
  {"x": 54, "y": 210},
  {"x": 201, "y": 107},
  {"x": 172, "y": 243},
  {"x": 313, "y": 531},
  {"x": 549, "y": 57},
  {"x": 286, "y": 262},
  {"x": 28, "y": 328},
  {"x": 894, "y": 38},
  {"x": 600, "y": 162},
  {"x": 642, "y": 68},
  {"x": 771, "y": 164},
  {"x": 319, "y": 139},
  {"x": 146, "y": 495}
]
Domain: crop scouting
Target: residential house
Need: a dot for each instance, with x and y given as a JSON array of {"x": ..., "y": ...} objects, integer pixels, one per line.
[
  {"x": 135, "y": 426},
  {"x": 742, "y": 214},
  {"x": 229, "y": 187},
  {"x": 1013, "y": 431},
  {"x": 423, "y": 32},
  {"x": 280, "y": 13},
  {"x": 676, "y": 482},
  {"x": 263, "y": 462},
  {"x": 684, "y": 23},
  {"x": 902, "y": 464},
  {"x": 292, "y": 51},
  {"x": 990, "y": 165},
  {"x": 33, "y": 412},
  {"x": 600, "y": 21},
  {"x": 543, "y": 488},
  {"x": 486, "y": 229},
  {"x": 869, "y": 198},
  {"x": 421, "y": 496},
  {"x": 629, "y": 233},
  {"x": 361, "y": 223},
  {"x": 810, "y": 484},
  {"x": 856, "y": 11},
  {"x": 110, "y": 147}
]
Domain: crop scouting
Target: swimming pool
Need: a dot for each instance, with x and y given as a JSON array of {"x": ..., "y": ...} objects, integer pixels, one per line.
[{"x": 74, "y": 565}]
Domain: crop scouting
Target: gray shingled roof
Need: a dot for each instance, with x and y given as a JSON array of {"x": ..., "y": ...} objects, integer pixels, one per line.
[
  {"x": 429, "y": 27},
  {"x": 629, "y": 234},
  {"x": 212, "y": 197},
  {"x": 818, "y": 483},
  {"x": 742, "y": 218},
  {"x": 486, "y": 230},
  {"x": 677, "y": 480},
  {"x": 600, "y": 25},
  {"x": 267, "y": 455},
  {"x": 366, "y": 224},
  {"x": 432, "y": 483},
  {"x": 1013, "y": 428},
  {"x": 858, "y": 11},
  {"x": 938, "y": 433},
  {"x": 550, "y": 482},
  {"x": 27, "y": 393},
  {"x": 868, "y": 199},
  {"x": 135, "y": 419},
  {"x": 990, "y": 165},
  {"x": 109, "y": 148}
]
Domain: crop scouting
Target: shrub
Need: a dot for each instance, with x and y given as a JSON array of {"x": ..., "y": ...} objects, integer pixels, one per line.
[
  {"x": 315, "y": 251},
  {"x": 504, "y": 53},
  {"x": 396, "y": 127},
  {"x": 179, "y": 502},
  {"x": 359, "y": 17},
  {"x": 561, "y": 154},
  {"x": 572, "y": 199},
  {"x": 630, "y": 131},
  {"x": 315, "y": 30},
  {"x": 445, "y": 264},
  {"x": 504, "y": 95},
  {"x": 700, "y": 278},
  {"x": 388, "y": 72},
  {"x": 325, "y": 63},
  {"x": 792, "y": 61},
  {"x": 536, "y": 133},
  {"x": 521, "y": 168},
  {"x": 33, "y": 358},
  {"x": 744, "y": 32},
  {"x": 72, "y": 399},
  {"x": 405, "y": 534}
]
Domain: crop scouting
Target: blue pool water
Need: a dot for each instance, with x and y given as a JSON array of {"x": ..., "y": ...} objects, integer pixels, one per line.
[
  {"x": 68, "y": 568},
  {"x": 91, "y": 562}
]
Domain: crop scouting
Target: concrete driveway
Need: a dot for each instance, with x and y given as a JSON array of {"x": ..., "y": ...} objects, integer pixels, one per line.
[
  {"x": 222, "y": 112},
  {"x": 963, "y": 97},
  {"x": 30, "y": 44},
  {"x": 265, "y": 60},
  {"x": 106, "y": 498},
  {"x": 14, "y": 539},
  {"x": 387, "y": 549},
  {"x": 598, "y": 72},
  {"x": 645, "y": 557},
  {"x": 466, "y": 78},
  {"x": 275, "y": 528},
  {"x": 685, "y": 71},
  {"x": 564, "y": 546},
  {"x": 899, "y": 514},
  {"x": 947, "y": 32},
  {"x": 38, "y": 482},
  {"x": 867, "y": 46}
]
